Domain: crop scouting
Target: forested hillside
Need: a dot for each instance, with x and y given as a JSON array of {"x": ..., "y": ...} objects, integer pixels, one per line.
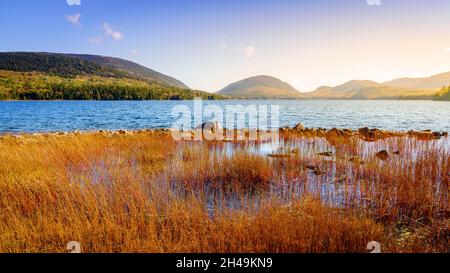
[
  {"x": 42, "y": 86},
  {"x": 53, "y": 76},
  {"x": 443, "y": 94},
  {"x": 55, "y": 64}
]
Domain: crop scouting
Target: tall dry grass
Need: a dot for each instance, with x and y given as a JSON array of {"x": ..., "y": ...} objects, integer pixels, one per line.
[{"x": 145, "y": 193}]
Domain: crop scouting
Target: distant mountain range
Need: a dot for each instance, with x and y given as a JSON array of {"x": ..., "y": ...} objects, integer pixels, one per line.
[
  {"x": 41, "y": 75},
  {"x": 266, "y": 87},
  {"x": 261, "y": 87},
  {"x": 368, "y": 90},
  {"x": 432, "y": 82}
]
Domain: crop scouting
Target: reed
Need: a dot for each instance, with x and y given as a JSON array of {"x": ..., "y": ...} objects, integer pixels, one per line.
[{"x": 143, "y": 192}]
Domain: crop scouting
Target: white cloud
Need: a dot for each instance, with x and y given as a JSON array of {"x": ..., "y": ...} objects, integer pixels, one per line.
[
  {"x": 74, "y": 19},
  {"x": 248, "y": 51},
  {"x": 374, "y": 2},
  {"x": 134, "y": 52},
  {"x": 73, "y": 2},
  {"x": 116, "y": 35},
  {"x": 95, "y": 40}
]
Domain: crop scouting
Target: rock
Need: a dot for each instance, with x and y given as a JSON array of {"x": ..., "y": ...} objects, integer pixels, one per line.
[
  {"x": 439, "y": 134},
  {"x": 424, "y": 135},
  {"x": 364, "y": 131},
  {"x": 210, "y": 126},
  {"x": 124, "y": 132},
  {"x": 336, "y": 132},
  {"x": 326, "y": 154},
  {"x": 383, "y": 155},
  {"x": 371, "y": 134},
  {"x": 299, "y": 127}
]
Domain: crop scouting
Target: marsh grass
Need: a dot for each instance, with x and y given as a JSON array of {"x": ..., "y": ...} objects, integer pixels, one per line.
[{"x": 143, "y": 192}]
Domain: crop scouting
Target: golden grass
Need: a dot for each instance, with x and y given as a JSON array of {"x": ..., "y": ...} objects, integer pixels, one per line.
[{"x": 144, "y": 192}]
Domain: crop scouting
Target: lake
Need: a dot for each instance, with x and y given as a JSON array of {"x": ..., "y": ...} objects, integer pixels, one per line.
[{"x": 46, "y": 116}]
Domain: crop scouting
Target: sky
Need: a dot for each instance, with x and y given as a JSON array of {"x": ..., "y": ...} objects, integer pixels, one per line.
[{"x": 209, "y": 44}]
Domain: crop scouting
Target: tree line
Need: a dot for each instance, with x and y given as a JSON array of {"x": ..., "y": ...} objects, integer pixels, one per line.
[{"x": 443, "y": 94}]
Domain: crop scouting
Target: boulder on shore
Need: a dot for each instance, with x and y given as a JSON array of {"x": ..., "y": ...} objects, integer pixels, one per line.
[
  {"x": 210, "y": 126},
  {"x": 299, "y": 127},
  {"x": 336, "y": 133}
]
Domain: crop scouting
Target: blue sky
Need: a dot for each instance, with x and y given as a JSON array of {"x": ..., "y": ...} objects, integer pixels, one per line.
[{"x": 210, "y": 43}]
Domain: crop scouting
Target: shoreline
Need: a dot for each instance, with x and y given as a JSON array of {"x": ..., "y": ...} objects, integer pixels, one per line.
[{"x": 366, "y": 133}]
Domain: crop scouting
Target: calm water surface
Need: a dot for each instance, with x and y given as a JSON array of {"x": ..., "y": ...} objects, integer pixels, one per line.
[{"x": 45, "y": 116}]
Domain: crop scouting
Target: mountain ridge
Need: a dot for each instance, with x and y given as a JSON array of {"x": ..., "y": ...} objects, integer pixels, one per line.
[
  {"x": 132, "y": 68},
  {"x": 432, "y": 82},
  {"x": 69, "y": 64}
]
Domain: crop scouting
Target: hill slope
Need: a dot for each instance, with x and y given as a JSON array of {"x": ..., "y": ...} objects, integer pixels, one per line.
[
  {"x": 69, "y": 65},
  {"x": 261, "y": 87},
  {"x": 368, "y": 90},
  {"x": 56, "y": 64},
  {"x": 47, "y": 76},
  {"x": 132, "y": 68},
  {"x": 432, "y": 82}
]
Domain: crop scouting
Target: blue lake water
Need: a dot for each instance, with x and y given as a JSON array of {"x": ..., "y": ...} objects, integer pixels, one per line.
[{"x": 46, "y": 116}]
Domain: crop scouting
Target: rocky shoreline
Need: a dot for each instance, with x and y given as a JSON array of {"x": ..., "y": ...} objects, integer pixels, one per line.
[{"x": 367, "y": 134}]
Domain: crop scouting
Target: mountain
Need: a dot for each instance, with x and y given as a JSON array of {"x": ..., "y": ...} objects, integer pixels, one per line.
[
  {"x": 432, "y": 82},
  {"x": 368, "y": 90},
  {"x": 401, "y": 88},
  {"x": 261, "y": 87},
  {"x": 133, "y": 69},
  {"x": 77, "y": 64},
  {"x": 49, "y": 76}
]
